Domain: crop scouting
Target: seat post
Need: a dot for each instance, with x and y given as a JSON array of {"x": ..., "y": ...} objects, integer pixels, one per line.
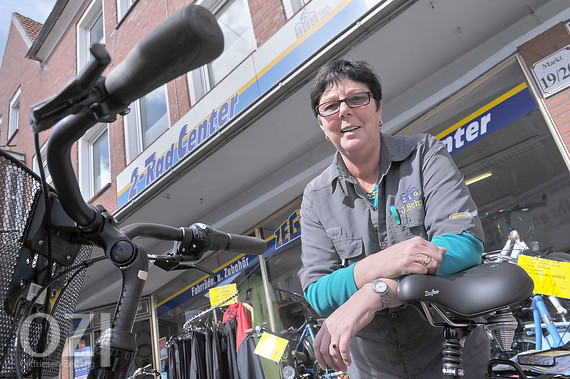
[{"x": 452, "y": 362}]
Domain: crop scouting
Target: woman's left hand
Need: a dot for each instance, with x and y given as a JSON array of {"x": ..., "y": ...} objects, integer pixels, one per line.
[{"x": 332, "y": 342}]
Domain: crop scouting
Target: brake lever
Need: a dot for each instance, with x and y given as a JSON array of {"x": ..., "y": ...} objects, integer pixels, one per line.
[{"x": 78, "y": 94}]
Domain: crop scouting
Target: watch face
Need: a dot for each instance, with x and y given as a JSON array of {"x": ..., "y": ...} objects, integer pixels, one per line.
[{"x": 380, "y": 286}]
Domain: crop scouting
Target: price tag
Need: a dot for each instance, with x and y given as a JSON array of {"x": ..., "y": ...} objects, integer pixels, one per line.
[
  {"x": 271, "y": 347},
  {"x": 553, "y": 72},
  {"x": 550, "y": 277},
  {"x": 222, "y": 294}
]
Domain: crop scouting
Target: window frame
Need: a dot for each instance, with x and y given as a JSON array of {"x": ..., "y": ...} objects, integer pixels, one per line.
[
  {"x": 86, "y": 161},
  {"x": 123, "y": 7},
  {"x": 84, "y": 26},
  {"x": 199, "y": 80},
  {"x": 14, "y": 114},
  {"x": 289, "y": 8},
  {"x": 36, "y": 168},
  {"x": 134, "y": 136}
]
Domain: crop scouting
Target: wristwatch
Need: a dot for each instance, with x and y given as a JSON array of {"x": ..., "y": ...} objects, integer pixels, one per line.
[{"x": 381, "y": 288}]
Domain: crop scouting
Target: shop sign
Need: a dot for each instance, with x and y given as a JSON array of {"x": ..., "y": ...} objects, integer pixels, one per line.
[
  {"x": 288, "y": 231},
  {"x": 298, "y": 40},
  {"x": 553, "y": 72},
  {"x": 488, "y": 119},
  {"x": 227, "y": 271}
]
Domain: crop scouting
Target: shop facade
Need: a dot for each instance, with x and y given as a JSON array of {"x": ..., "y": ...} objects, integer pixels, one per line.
[
  {"x": 493, "y": 86},
  {"x": 501, "y": 128}
]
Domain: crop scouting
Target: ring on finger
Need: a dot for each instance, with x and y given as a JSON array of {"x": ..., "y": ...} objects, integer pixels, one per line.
[{"x": 426, "y": 261}]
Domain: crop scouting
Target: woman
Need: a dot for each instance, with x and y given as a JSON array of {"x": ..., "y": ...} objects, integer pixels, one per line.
[{"x": 386, "y": 207}]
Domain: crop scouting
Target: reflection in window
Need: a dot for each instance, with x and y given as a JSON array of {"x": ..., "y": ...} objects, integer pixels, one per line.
[
  {"x": 154, "y": 119},
  {"x": 147, "y": 120},
  {"x": 239, "y": 41},
  {"x": 292, "y": 6},
  {"x": 508, "y": 161},
  {"x": 100, "y": 161},
  {"x": 90, "y": 30},
  {"x": 14, "y": 120}
]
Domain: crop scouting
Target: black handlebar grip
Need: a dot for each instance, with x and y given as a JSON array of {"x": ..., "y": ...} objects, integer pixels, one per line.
[
  {"x": 186, "y": 40},
  {"x": 236, "y": 243},
  {"x": 246, "y": 244}
]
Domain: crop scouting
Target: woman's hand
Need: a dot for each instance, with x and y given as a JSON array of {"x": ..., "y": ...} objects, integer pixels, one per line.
[
  {"x": 414, "y": 256},
  {"x": 332, "y": 342}
]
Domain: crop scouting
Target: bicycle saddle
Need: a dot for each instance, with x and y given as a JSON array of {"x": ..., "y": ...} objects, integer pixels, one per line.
[{"x": 470, "y": 293}]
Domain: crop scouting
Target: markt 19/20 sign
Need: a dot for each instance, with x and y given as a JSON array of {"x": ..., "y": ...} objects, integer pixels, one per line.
[{"x": 553, "y": 72}]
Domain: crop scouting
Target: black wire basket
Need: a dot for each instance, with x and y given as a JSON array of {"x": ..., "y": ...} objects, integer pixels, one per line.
[{"x": 38, "y": 294}]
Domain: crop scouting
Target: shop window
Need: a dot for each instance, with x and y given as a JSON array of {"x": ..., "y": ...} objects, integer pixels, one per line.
[
  {"x": 90, "y": 30},
  {"x": 14, "y": 120},
  {"x": 292, "y": 6},
  {"x": 95, "y": 168},
  {"x": 502, "y": 144},
  {"x": 186, "y": 303},
  {"x": 146, "y": 121},
  {"x": 239, "y": 41},
  {"x": 86, "y": 328}
]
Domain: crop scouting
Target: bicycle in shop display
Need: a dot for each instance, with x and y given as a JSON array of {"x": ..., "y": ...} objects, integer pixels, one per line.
[
  {"x": 535, "y": 314},
  {"x": 300, "y": 360}
]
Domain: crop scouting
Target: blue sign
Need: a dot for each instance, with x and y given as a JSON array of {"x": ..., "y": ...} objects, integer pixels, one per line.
[{"x": 488, "y": 119}]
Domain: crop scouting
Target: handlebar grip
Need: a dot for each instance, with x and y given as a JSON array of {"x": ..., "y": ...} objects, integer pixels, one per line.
[
  {"x": 186, "y": 40},
  {"x": 236, "y": 243}
]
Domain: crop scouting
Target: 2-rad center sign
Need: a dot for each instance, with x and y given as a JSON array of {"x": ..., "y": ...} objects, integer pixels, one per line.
[{"x": 553, "y": 72}]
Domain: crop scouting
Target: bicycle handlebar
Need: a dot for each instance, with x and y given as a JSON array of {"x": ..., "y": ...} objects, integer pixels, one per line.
[{"x": 187, "y": 40}]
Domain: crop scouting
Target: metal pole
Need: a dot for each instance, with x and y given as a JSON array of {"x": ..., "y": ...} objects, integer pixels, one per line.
[{"x": 265, "y": 280}]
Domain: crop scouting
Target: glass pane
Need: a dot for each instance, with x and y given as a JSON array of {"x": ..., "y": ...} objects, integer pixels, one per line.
[
  {"x": 282, "y": 266},
  {"x": 81, "y": 356},
  {"x": 101, "y": 167},
  {"x": 238, "y": 40},
  {"x": 506, "y": 152},
  {"x": 96, "y": 30},
  {"x": 154, "y": 119}
]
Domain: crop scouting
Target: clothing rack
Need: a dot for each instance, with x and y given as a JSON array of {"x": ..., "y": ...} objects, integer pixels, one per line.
[{"x": 200, "y": 315}]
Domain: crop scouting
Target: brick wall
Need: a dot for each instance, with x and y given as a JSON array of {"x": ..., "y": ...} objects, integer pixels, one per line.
[
  {"x": 267, "y": 17},
  {"x": 39, "y": 81},
  {"x": 538, "y": 48},
  {"x": 18, "y": 72}
]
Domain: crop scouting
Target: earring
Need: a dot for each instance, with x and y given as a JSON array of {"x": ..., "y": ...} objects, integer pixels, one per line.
[
  {"x": 327, "y": 137},
  {"x": 381, "y": 123}
]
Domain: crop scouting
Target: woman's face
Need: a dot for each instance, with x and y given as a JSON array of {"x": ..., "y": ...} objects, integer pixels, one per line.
[{"x": 351, "y": 130}]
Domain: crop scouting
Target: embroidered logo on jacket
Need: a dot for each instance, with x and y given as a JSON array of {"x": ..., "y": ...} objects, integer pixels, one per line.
[{"x": 410, "y": 199}]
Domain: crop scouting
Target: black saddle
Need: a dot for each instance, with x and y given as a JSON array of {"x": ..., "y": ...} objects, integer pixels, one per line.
[{"x": 470, "y": 293}]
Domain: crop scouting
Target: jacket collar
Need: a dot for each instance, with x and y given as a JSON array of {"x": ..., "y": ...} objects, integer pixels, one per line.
[{"x": 392, "y": 149}]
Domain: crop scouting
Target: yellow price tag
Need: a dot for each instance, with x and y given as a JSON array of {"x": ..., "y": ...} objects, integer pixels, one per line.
[
  {"x": 271, "y": 346},
  {"x": 222, "y": 294},
  {"x": 550, "y": 277}
]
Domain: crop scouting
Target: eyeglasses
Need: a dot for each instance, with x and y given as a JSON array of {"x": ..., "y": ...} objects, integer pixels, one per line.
[{"x": 356, "y": 100}]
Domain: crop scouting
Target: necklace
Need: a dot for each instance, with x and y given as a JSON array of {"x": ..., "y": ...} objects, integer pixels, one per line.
[{"x": 372, "y": 195}]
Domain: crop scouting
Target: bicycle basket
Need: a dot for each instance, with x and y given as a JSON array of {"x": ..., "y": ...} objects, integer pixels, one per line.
[{"x": 23, "y": 271}]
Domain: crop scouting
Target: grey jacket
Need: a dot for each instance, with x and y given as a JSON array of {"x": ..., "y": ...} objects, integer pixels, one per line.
[{"x": 421, "y": 193}]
